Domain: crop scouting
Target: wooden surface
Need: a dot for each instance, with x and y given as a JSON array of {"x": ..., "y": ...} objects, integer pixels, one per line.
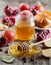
[{"x": 39, "y": 60}]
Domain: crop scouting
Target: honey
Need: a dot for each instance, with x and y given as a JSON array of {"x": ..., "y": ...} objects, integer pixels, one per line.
[
  {"x": 15, "y": 52},
  {"x": 24, "y": 30}
]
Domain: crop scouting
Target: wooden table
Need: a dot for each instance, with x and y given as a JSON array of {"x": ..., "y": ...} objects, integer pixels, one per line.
[{"x": 40, "y": 60}]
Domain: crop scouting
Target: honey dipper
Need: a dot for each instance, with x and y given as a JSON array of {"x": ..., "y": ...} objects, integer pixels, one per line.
[
  {"x": 26, "y": 46},
  {"x": 23, "y": 47}
]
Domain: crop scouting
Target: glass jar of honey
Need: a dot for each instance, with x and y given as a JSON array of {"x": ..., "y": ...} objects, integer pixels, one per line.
[{"x": 24, "y": 26}]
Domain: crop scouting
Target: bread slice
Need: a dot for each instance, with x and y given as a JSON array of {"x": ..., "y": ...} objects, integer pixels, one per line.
[
  {"x": 48, "y": 43},
  {"x": 46, "y": 52}
]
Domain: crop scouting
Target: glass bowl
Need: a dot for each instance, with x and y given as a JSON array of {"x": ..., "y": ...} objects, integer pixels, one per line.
[{"x": 13, "y": 50}]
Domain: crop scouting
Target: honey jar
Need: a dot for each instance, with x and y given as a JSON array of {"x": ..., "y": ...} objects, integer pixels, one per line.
[{"x": 24, "y": 26}]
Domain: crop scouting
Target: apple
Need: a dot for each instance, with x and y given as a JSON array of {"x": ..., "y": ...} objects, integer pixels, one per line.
[
  {"x": 39, "y": 7},
  {"x": 24, "y": 6},
  {"x": 9, "y": 35}
]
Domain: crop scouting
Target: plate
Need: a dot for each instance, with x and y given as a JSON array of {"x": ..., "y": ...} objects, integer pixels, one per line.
[{"x": 38, "y": 28}]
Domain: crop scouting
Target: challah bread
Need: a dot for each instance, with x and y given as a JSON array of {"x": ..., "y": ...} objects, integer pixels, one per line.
[{"x": 42, "y": 20}]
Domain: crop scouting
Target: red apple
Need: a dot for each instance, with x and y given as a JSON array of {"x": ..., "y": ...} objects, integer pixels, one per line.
[
  {"x": 24, "y": 6},
  {"x": 9, "y": 35},
  {"x": 39, "y": 7}
]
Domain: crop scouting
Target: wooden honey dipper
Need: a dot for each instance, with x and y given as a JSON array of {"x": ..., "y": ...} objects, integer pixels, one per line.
[
  {"x": 26, "y": 46},
  {"x": 23, "y": 47}
]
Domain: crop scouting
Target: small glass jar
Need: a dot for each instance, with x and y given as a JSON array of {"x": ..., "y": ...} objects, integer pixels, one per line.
[{"x": 24, "y": 26}]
